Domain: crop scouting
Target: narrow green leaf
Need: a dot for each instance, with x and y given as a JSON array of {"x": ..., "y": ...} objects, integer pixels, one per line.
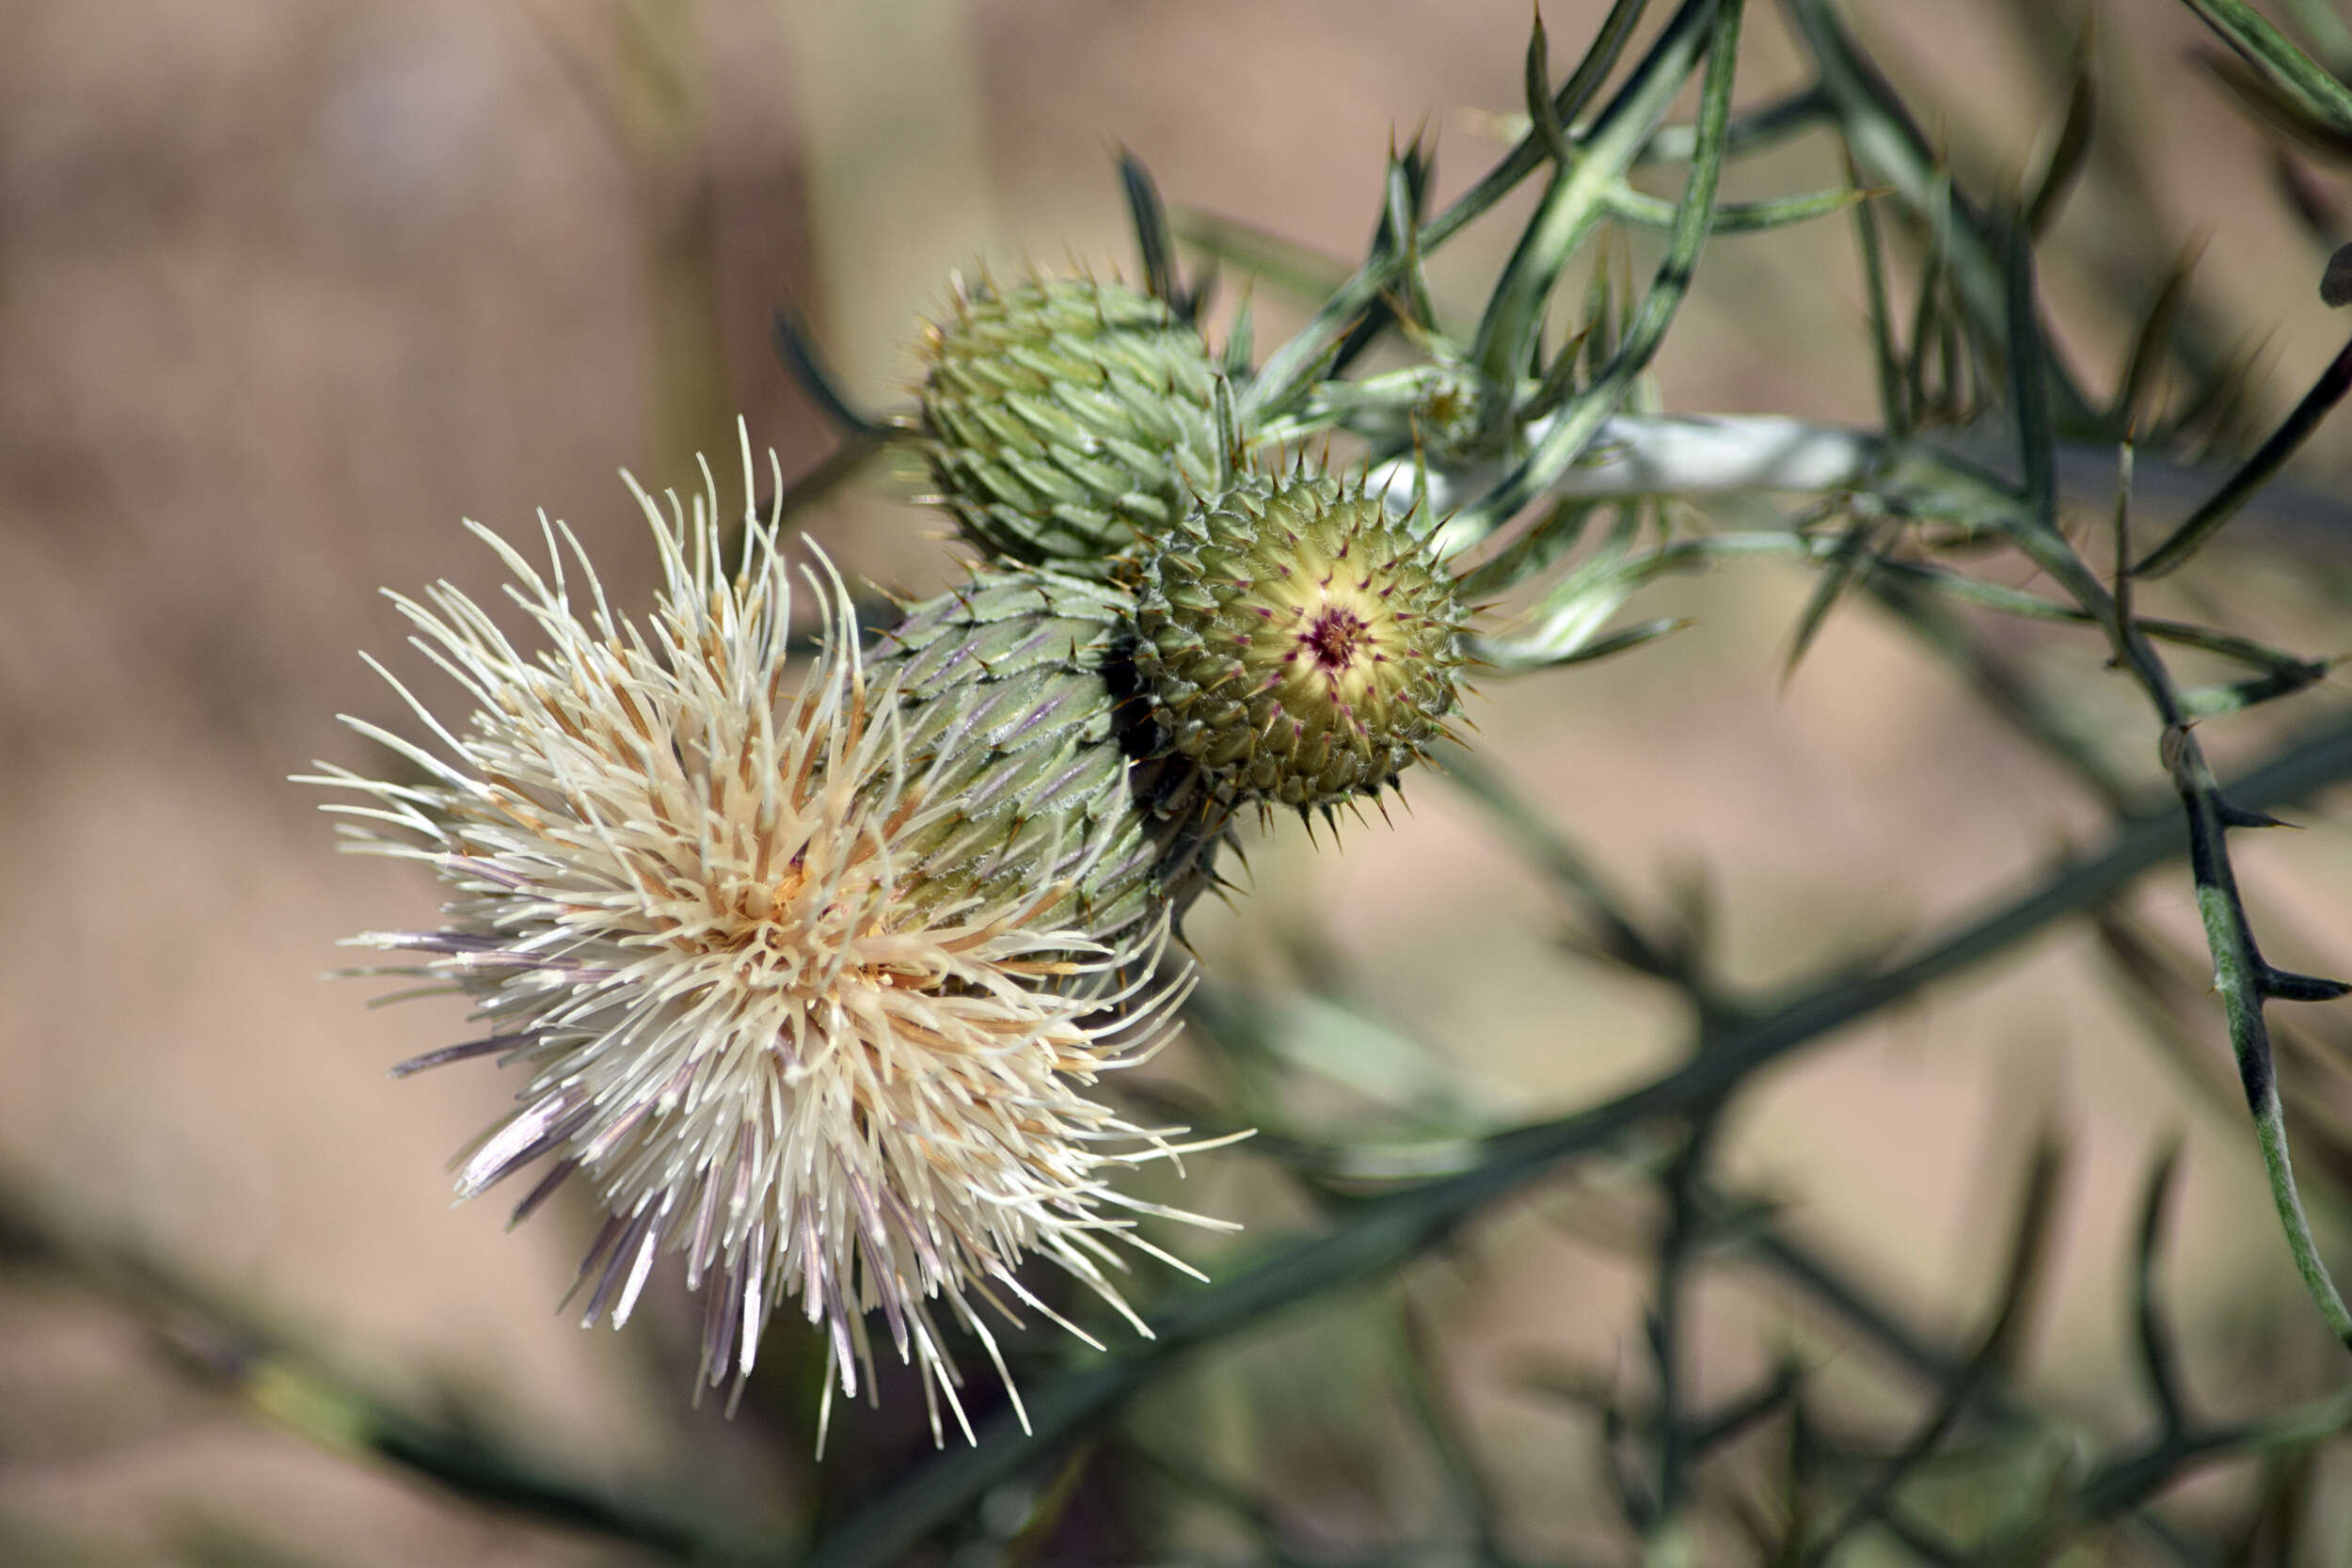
[
  {"x": 1294, "y": 368},
  {"x": 2029, "y": 383},
  {"x": 1153, "y": 238},
  {"x": 1755, "y": 130},
  {"x": 2271, "y": 51},
  {"x": 1241, "y": 339},
  {"x": 1930, "y": 318},
  {"x": 1550, "y": 538},
  {"x": 1296, "y": 269},
  {"x": 1895, "y": 408},
  {"x": 2245, "y": 650},
  {"x": 2287, "y": 986},
  {"x": 2278, "y": 108},
  {"x": 2207, "y": 520},
  {"x": 796, "y": 349},
  {"x": 1609, "y": 42},
  {"x": 2160, "y": 1360},
  {"x": 1598, "y": 323},
  {"x": 1736, "y": 217},
  {"x": 1543, "y": 116},
  {"x": 1511, "y": 658},
  {"x": 1398, "y": 235},
  {"x": 1558, "y": 382},
  {"x": 2330, "y": 36},
  {"x": 2073, "y": 147},
  {"x": 2207, "y": 702},
  {"x": 2148, "y": 344},
  {"x": 1853, "y": 555}
]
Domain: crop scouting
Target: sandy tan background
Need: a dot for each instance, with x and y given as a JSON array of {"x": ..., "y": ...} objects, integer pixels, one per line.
[{"x": 286, "y": 290}]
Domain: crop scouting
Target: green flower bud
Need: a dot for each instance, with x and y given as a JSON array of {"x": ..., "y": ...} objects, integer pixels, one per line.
[
  {"x": 1066, "y": 418},
  {"x": 1019, "y": 708},
  {"x": 1297, "y": 642}
]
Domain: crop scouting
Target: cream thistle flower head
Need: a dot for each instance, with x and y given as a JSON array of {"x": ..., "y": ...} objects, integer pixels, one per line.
[{"x": 688, "y": 896}]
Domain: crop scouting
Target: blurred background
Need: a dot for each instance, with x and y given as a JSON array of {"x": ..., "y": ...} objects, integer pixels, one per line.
[{"x": 286, "y": 290}]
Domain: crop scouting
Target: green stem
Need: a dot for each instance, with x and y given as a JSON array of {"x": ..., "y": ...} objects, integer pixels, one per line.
[{"x": 2271, "y": 1129}]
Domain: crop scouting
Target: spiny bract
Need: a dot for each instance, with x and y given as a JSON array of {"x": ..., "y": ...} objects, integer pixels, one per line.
[
  {"x": 1066, "y": 417},
  {"x": 1297, "y": 641},
  {"x": 1019, "y": 684}
]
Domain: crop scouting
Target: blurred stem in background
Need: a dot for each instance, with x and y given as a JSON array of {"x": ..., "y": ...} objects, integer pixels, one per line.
[{"x": 640, "y": 68}]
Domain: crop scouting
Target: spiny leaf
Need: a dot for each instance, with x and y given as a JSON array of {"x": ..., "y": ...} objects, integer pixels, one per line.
[
  {"x": 1338, "y": 326},
  {"x": 1525, "y": 158},
  {"x": 1542, "y": 114},
  {"x": 1932, "y": 314},
  {"x": 1888, "y": 144}
]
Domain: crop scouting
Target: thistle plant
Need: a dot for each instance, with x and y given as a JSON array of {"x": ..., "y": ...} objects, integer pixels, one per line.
[
  {"x": 826, "y": 980},
  {"x": 1523, "y": 468}
]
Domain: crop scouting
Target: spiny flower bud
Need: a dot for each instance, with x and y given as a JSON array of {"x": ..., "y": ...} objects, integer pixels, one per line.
[
  {"x": 1017, "y": 684},
  {"x": 1298, "y": 641},
  {"x": 1066, "y": 417}
]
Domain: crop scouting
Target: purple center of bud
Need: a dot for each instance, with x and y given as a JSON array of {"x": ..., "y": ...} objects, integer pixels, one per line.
[{"x": 1334, "y": 638}]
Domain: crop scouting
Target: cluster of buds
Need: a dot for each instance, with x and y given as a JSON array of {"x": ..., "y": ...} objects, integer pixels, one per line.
[
  {"x": 813, "y": 979},
  {"x": 1286, "y": 639}
]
